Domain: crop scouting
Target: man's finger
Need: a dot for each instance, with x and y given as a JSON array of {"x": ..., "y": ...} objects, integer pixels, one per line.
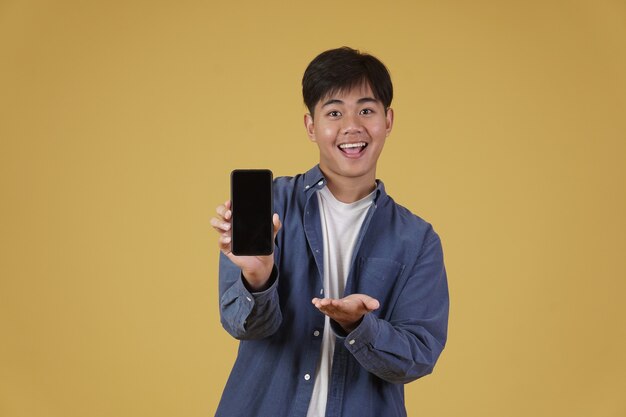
[
  {"x": 224, "y": 244},
  {"x": 370, "y": 303},
  {"x": 277, "y": 224},
  {"x": 224, "y": 210},
  {"x": 220, "y": 225},
  {"x": 228, "y": 213}
]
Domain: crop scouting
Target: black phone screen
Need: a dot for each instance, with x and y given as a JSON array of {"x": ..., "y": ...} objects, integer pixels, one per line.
[{"x": 252, "y": 210}]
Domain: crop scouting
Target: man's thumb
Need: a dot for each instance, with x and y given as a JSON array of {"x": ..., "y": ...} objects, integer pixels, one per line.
[
  {"x": 370, "y": 303},
  {"x": 277, "y": 224}
]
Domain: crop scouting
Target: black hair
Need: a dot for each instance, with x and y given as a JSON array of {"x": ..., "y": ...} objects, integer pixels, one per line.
[{"x": 342, "y": 69}]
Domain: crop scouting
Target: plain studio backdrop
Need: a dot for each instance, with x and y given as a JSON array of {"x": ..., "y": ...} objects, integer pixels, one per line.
[{"x": 121, "y": 121}]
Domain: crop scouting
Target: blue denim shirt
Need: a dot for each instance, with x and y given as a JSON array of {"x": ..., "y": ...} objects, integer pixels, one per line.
[{"x": 397, "y": 259}]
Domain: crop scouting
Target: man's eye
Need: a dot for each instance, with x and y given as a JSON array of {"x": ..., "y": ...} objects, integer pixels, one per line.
[
  {"x": 367, "y": 111},
  {"x": 334, "y": 113}
]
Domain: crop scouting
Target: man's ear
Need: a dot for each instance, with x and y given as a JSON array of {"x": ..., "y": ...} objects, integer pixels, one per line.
[
  {"x": 389, "y": 120},
  {"x": 308, "y": 125}
]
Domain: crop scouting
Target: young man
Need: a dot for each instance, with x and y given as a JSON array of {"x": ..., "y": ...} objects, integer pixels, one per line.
[{"x": 354, "y": 301}]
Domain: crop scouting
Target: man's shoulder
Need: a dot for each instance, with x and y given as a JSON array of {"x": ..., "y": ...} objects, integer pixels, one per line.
[
  {"x": 289, "y": 191},
  {"x": 301, "y": 182},
  {"x": 287, "y": 184},
  {"x": 405, "y": 221}
]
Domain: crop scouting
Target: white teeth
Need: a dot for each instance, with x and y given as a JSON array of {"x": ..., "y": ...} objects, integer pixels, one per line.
[{"x": 352, "y": 145}]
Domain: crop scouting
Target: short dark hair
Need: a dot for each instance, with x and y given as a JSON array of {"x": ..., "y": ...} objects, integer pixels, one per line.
[{"x": 342, "y": 69}]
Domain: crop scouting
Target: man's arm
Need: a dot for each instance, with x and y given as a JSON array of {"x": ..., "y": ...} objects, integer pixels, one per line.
[
  {"x": 243, "y": 313},
  {"x": 249, "y": 307},
  {"x": 408, "y": 345}
]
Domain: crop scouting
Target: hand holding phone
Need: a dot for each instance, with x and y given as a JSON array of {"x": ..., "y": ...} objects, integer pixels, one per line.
[
  {"x": 255, "y": 188},
  {"x": 255, "y": 269}
]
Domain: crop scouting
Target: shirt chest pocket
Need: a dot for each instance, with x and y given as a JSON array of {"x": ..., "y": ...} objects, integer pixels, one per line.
[{"x": 379, "y": 278}]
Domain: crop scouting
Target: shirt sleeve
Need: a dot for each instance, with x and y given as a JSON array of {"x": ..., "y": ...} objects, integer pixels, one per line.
[
  {"x": 407, "y": 346},
  {"x": 247, "y": 315}
]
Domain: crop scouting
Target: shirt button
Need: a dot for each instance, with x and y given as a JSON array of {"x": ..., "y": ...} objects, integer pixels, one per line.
[
  {"x": 248, "y": 298},
  {"x": 352, "y": 341},
  {"x": 306, "y": 188},
  {"x": 307, "y": 377},
  {"x": 316, "y": 333},
  {"x": 322, "y": 291},
  {"x": 320, "y": 183}
]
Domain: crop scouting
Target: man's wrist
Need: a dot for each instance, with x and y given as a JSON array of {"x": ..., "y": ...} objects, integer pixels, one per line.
[
  {"x": 260, "y": 285},
  {"x": 349, "y": 327},
  {"x": 343, "y": 330}
]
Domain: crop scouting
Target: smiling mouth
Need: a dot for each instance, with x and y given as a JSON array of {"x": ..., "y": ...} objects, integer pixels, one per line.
[{"x": 352, "y": 148}]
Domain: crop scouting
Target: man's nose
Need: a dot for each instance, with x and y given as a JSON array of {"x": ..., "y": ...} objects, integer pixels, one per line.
[{"x": 351, "y": 124}]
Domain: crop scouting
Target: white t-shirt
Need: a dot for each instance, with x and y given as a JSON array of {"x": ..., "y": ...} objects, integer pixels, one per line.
[{"x": 341, "y": 223}]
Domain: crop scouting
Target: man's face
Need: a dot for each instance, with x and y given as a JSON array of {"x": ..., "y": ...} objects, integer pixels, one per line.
[{"x": 350, "y": 128}]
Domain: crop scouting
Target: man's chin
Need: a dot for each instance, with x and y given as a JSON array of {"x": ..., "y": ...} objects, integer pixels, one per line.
[{"x": 353, "y": 172}]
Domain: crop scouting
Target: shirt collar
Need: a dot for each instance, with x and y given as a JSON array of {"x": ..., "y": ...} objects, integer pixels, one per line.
[{"x": 314, "y": 180}]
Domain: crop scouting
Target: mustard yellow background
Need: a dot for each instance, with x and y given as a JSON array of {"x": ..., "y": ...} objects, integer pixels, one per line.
[{"x": 121, "y": 120}]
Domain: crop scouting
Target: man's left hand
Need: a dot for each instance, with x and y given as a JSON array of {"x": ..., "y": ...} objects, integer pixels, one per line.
[{"x": 347, "y": 311}]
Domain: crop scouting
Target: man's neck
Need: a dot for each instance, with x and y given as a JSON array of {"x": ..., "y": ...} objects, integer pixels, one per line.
[{"x": 349, "y": 190}]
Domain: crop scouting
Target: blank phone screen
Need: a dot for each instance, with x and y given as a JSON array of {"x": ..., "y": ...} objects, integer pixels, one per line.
[{"x": 251, "y": 196}]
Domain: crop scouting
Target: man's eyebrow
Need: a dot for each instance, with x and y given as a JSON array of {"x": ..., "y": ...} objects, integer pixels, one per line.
[
  {"x": 332, "y": 101},
  {"x": 359, "y": 101},
  {"x": 367, "y": 100}
]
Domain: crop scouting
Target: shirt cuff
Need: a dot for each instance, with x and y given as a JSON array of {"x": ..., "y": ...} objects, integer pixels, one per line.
[
  {"x": 239, "y": 306},
  {"x": 364, "y": 335}
]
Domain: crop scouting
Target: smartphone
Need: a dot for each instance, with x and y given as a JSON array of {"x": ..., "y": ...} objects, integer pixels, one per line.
[{"x": 252, "y": 210}]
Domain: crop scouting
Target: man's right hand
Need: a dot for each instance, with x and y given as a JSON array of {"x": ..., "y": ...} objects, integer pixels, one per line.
[{"x": 255, "y": 269}]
